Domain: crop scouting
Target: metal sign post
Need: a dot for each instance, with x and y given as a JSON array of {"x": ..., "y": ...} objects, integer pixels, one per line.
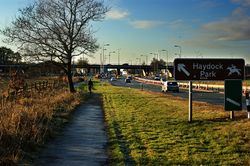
[
  {"x": 232, "y": 115},
  {"x": 233, "y": 96},
  {"x": 191, "y": 69},
  {"x": 190, "y": 101},
  {"x": 247, "y": 104},
  {"x": 208, "y": 69}
]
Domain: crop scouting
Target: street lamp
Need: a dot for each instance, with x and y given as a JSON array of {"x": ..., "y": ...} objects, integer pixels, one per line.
[
  {"x": 139, "y": 61},
  {"x": 155, "y": 62},
  {"x": 159, "y": 54},
  {"x": 166, "y": 62},
  {"x": 110, "y": 55},
  {"x": 118, "y": 53},
  {"x": 103, "y": 56},
  {"x": 179, "y": 48},
  {"x": 198, "y": 54},
  {"x": 146, "y": 62},
  {"x": 131, "y": 62},
  {"x": 154, "y": 54},
  {"x": 166, "y": 54}
]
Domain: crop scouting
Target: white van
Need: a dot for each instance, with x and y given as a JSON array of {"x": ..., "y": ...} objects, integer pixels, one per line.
[{"x": 170, "y": 86}]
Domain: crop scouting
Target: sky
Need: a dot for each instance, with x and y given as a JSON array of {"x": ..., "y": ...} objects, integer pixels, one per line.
[{"x": 137, "y": 30}]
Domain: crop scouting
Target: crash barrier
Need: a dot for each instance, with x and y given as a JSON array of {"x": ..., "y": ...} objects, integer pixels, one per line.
[
  {"x": 207, "y": 87},
  {"x": 147, "y": 81}
]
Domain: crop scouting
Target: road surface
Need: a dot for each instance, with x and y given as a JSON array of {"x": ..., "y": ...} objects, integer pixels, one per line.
[{"x": 215, "y": 98}]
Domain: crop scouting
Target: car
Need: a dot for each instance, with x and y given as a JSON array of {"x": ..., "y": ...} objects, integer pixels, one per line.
[
  {"x": 112, "y": 79},
  {"x": 170, "y": 86},
  {"x": 119, "y": 77},
  {"x": 129, "y": 77},
  {"x": 127, "y": 80},
  {"x": 157, "y": 78}
]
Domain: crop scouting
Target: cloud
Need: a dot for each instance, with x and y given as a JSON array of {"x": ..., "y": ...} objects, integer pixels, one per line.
[
  {"x": 245, "y": 3},
  {"x": 117, "y": 14},
  {"x": 234, "y": 28},
  {"x": 238, "y": 12},
  {"x": 145, "y": 24},
  {"x": 176, "y": 23},
  {"x": 208, "y": 4}
]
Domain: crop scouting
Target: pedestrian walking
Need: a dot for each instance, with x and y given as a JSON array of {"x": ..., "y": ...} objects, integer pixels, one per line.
[{"x": 90, "y": 85}]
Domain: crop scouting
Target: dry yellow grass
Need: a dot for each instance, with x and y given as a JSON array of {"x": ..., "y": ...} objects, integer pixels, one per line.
[{"x": 26, "y": 123}]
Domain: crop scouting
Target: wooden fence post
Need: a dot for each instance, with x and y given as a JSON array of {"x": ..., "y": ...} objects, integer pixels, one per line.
[{"x": 27, "y": 89}]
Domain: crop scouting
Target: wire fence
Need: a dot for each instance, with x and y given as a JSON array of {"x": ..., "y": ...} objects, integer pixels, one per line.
[{"x": 11, "y": 95}]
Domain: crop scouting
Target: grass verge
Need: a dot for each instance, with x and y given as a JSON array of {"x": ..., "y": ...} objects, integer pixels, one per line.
[{"x": 147, "y": 128}]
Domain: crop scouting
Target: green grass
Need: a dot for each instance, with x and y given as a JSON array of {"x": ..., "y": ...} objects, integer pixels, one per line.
[
  {"x": 147, "y": 128},
  {"x": 84, "y": 86}
]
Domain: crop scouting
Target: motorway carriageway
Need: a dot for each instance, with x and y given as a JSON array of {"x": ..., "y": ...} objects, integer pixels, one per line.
[{"x": 215, "y": 98}]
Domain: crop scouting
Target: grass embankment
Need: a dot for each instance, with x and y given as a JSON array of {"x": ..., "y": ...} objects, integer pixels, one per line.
[
  {"x": 28, "y": 122},
  {"x": 147, "y": 128},
  {"x": 247, "y": 82}
]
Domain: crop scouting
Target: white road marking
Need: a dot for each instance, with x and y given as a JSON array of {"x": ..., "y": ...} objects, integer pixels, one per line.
[{"x": 233, "y": 102}]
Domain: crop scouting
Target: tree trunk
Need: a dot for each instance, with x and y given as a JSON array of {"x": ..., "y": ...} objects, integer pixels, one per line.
[
  {"x": 71, "y": 85},
  {"x": 70, "y": 80}
]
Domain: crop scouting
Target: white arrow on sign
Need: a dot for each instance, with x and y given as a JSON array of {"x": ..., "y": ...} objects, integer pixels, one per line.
[
  {"x": 233, "y": 102},
  {"x": 181, "y": 67}
]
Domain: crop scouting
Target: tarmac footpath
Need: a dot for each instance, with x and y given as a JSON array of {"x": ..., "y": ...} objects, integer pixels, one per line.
[{"x": 83, "y": 141}]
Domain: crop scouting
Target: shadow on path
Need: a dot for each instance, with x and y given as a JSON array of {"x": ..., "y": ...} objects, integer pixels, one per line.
[{"x": 83, "y": 141}]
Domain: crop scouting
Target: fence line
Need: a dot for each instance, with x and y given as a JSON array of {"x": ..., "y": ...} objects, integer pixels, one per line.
[{"x": 26, "y": 89}]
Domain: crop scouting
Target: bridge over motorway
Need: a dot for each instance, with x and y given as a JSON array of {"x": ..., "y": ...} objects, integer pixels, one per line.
[
  {"x": 146, "y": 68},
  {"x": 96, "y": 68}
]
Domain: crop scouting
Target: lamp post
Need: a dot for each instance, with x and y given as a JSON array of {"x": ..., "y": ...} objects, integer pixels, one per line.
[
  {"x": 198, "y": 54},
  {"x": 142, "y": 60},
  {"x": 110, "y": 55},
  {"x": 131, "y": 62},
  {"x": 166, "y": 62},
  {"x": 103, "y": 56},
  {"x": 179, "y": 48},
  {"x": 139, "y": 61},
  {"x": 166, "y": 55},
  {"x": 146, "y": 62},
  {"x": 100, "y": 63},
  {"x": 154, "y": 54},
  {"x": 118, "y": 54},
  {"x": 155, "y": 62},
  {"x": 159, "y": 54}
]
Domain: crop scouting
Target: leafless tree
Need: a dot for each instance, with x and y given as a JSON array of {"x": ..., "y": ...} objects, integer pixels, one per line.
[{"x": 57, "y": 30}]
